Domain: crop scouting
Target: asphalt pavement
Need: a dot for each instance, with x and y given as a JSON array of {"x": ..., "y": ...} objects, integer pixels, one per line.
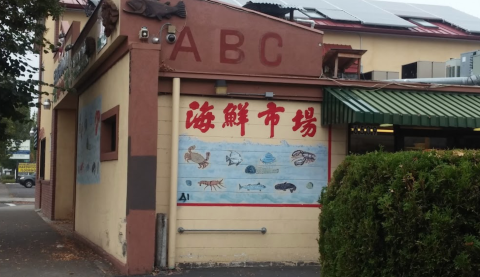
[{"x": 19, "y": 191}]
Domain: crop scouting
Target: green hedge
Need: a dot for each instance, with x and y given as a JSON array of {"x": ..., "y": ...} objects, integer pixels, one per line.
[
  {"x": 402, "y": 214},
  {"x": 7, "y": 179}
]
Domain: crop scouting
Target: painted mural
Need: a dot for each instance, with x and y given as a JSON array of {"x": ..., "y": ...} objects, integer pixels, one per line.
[
  {"x": 88, "y": 143},
  {"x": 250, "y": 172}
]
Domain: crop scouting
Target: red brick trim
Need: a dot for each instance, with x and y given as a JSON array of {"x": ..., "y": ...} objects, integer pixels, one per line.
[
  {"x": 105, "y": 138},
  {"x": 99, "y": 250}
]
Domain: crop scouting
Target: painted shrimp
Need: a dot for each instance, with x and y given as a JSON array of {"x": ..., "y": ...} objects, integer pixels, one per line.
[
  {"x": 301, "y": 157},
  {"x": 212, "y": 184}
]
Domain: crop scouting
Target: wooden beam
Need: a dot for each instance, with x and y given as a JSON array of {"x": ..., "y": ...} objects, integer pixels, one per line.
[
  {"x": 353, "y": 56},
  {"x": 335, "y": 71}
]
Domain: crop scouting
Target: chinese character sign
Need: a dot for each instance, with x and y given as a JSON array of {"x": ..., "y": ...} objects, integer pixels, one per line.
[
  {"x": 201, "y": 117},
  {"x": 306, "y": 122},
  {"x": 232, "y": 117},
  {"x": 271, "y": 116}
]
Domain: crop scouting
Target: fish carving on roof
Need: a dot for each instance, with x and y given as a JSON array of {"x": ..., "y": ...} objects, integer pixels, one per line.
[{"x": 155, "y": 9}]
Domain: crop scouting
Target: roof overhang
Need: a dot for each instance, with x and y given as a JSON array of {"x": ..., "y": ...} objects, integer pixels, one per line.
[{"x": 410, "y": 108}]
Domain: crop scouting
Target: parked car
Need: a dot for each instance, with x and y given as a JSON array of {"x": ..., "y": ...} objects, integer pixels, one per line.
[{"x": 27, "y": 181}]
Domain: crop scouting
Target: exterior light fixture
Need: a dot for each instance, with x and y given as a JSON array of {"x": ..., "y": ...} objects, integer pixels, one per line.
[
  {"x": 386, "y": 125},
  {"x": 47, "y": 104},
  {"x": 476, "y": 130},
  {"x": 221, "y": 87},
  {"x": 69, "y": 47},
  {"x": 32, "y": 133},
  {"x": 143, "y": 34}
]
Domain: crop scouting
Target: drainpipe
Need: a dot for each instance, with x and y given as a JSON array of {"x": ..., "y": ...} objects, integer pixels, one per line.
[
  {"x": 172, "y": 226},
  {"x": 312, "y": 23},
  {"x": 473, "y": 80}
]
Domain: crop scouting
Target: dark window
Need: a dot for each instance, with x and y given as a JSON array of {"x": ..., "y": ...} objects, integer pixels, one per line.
[
  {"x": 42, "y": 158},
  {"x": 109, "y": 135},
  {"x": 361, "y": 143}
]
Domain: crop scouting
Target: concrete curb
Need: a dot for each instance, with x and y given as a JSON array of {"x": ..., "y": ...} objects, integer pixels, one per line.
[{"x": 10, "y": 200}]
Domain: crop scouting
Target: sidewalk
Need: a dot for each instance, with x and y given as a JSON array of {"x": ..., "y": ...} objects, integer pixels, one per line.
[
  {"x": 294, "y": 271},
  {"x": 31, "y": 247}
]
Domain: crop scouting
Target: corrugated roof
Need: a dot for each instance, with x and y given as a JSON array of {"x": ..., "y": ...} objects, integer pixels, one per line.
[
  {"x": 412, "y": 108},
  {"x": 443, "y": 30}
]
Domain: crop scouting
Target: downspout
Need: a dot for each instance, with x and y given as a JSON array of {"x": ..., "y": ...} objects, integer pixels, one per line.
[{"x": 172, "y": 226}]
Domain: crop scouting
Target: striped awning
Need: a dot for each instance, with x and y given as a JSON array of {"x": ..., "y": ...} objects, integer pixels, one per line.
[{"x": 413, "y": 108}]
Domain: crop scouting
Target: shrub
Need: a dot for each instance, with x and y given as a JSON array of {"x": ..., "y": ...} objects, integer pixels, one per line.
[
  {"x": 402, "y": 214},
  {"x": 8, "y": 179}
]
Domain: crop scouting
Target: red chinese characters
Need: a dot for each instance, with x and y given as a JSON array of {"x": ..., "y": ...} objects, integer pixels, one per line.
[
  {"x": 202, "y": 120},
  {"x": 271, "y": 116},
  {"x": 232, "y": 117},
  {"x": 309, "y": 127}
]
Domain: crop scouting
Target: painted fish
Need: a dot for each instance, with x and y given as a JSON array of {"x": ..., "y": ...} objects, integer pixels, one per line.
[
  {"x": 285, "y": 186},
  {"x": 309, "y": 185},
  {"x": 155, "y": 9},
  {"x": 234, "y": 158},
  {"x": 189, "y": 183},
  {"x": 250, "y": 187},
  {"x": 268, "y": 159}
]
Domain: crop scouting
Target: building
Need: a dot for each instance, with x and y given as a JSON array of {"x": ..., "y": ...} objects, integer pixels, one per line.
[
  {"x": 400, "y": 33},
  {"x": 223, "y": 127}
]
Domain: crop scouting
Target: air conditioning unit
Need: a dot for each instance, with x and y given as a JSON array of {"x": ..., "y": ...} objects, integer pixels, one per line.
[
  {"x": 466, "y": 66},
  {"x": 452, "y": 68},
  {"x": 379, "y": 75},
  {"x": 423, "y": 69}
]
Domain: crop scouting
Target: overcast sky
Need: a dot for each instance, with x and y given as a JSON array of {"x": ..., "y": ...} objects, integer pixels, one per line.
[{"x": 468, "y": 6}]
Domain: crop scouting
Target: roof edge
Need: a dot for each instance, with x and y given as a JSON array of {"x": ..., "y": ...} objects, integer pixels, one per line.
[{"x": 291, "y": 23}]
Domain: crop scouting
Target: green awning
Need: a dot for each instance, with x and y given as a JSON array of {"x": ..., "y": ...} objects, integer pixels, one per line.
[{"x": 413, "y": 108}]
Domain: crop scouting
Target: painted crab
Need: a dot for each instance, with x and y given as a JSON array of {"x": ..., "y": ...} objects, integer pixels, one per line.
[{"x": 197, "y": 158}]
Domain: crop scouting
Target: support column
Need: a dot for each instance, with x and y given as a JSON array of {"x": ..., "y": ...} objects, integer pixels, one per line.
[{"x": 142, "y": 157}]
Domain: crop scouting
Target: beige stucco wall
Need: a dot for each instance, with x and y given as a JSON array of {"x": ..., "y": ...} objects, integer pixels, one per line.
[
  {"x": 292, "y": 231},
  {"x": 49, "y": 66},
  {"x": 65, "y": 173},
  {"x": 339, "y": 145},
  {"x": 101, "y": 208},
  {"x": 46, "y": 115},
  {"x": 390, "y": 52}
]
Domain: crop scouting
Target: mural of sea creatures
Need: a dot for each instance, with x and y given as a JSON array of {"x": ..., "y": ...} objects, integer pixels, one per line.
[
  {"x": 197, "y": 158},
  {"x": 212, "y": 184},
  {"x": 285, "y": 186},
  {"x": 260, "y": 170},
  {"x": 250, "y": 187},
  {"x": 234, "y": 158},
  {"x": 300, "y": 157},
  {"x": 189, "y": 183},
  {"x": 268, "y": 159},
  {"x": 309, "y": 185},
  {"x": 93, "y": 168}
]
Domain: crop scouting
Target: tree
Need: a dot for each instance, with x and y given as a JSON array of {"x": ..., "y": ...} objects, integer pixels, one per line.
[
  {"x": 21, "y": 32},
  {"x": 17, "y": 132}
]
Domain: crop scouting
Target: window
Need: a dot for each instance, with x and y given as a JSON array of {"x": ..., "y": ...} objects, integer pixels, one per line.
[
  {"x": 423, "y": 23},
  {"x": 109, "y": 135}
]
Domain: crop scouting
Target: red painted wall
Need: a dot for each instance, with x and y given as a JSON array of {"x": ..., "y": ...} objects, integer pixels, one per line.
[{"x": 217, "y": 38}]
